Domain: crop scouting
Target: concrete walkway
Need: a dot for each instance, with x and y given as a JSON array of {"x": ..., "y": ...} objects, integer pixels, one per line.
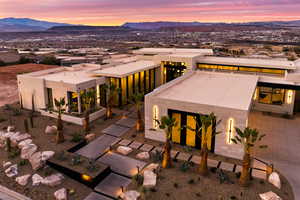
[{"x": 283, "y": 140}]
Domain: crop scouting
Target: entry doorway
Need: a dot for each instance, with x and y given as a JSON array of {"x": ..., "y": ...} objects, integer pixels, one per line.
[
  {"x": 297, "y": 102},
  {"x": 186, "y": 137}
]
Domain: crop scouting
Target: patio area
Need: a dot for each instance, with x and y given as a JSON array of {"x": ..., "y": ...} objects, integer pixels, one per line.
[{"x": 283, "y": 140}]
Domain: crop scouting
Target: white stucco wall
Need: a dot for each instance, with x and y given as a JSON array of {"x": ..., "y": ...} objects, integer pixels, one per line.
[{"x": 221, "y": 146}]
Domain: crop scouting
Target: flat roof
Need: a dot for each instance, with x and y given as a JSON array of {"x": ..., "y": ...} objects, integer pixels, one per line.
[
  {"x": 233, "y": 91},
  {"x": 127, "y": 69},
  {"x": 249, "y": 62},
  {"x": 172, "y": 50}
]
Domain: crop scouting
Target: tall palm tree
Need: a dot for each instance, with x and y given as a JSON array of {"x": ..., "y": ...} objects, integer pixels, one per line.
[
  {"x": 137, "y": 100},
  {"x": 88, "y": 99},
  {"x": 202, "y": 131},
  {"x": 167, "y": 123},
  {"x": 60, "y": 106},
  {"x": 111, "y": 90},
  {"x": 248, "y": 139}
]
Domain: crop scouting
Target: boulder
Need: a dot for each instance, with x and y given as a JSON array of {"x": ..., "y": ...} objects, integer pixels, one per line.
[
  {"x": 152, "y": 167},
  {"x": 36, "y": 179},
  {"x": 21, "y": 137},
  {"x": 149, "y": 179},
  {"x": 124, "y": 150},
  {"x": 61, "y": 194},
  {"x": 23, "y": 180},
  {"x": 269, "y": 196},
  {"x": 51, "y": 130},
  {"x": 53, "y": 180},
  {"x": 11, "y": 128},
  {"x": 90, "y": 137},
  {"x": 143, "y": 156},
  {"x": 24, "y": 143},
  {"x": 6, "y": 164},
  {"x": 275, "y": 179},
  {"x": 130, "y": 195},
  {"x": 12, "y": 171},
  {"x": 28, "y": 150},
  {"x": 36, "y": 160},
  {"x": 46, "y": 155}
]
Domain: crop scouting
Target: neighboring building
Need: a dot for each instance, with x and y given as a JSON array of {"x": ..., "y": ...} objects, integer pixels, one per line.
[
  {"x": 9, "y": 56},
  {"x": 185, "y": 82}
]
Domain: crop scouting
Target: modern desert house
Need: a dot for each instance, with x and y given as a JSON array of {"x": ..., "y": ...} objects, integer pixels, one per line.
[{"x": 180, "y": 83}]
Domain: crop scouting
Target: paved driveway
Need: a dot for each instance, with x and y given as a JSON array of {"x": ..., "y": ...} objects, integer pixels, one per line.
[{"x": 283, "y": 139}]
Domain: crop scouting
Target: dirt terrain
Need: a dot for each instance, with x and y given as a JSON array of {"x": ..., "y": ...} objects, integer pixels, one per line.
[{"x": 8, "y": 80}]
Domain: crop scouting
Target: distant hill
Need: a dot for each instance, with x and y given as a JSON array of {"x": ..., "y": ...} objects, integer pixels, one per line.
[
  {"x": 86, "y": 28},
  {"x": 171, "y": 25},
  {"x": 26, "y": 25}
]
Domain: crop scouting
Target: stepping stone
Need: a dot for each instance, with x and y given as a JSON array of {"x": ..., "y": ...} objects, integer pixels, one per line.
[
  {"x": 227, "y": 166},
  {"x": 173, "y": 153},
  {"x": 116, "y": 130},
  {"x": 258, "y": 165},
  {"x": 122, "y": 164},
  {"x": 135, "y": 145},
  {"x": 127, "y": 122},
  {"x": 146, "y": 147},
  {"x": 258, "y": 174},
  {"x": 112, "y": 185},
  {"x": 157, "y": 149},
  {"x": 125, "y": 142},
  {"x": 183, "y": 156},
  {"x": 212, "y": 163},
  {"x": 96, "y": 196},
  {"x": 98, "y": 146},
  {"x": 196, "y": 159}
]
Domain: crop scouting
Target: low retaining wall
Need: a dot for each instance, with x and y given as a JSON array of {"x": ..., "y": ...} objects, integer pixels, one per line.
[{"x": 74, "y": 119}]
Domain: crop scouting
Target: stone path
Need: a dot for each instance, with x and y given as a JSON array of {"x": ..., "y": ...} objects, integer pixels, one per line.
[
  {"x": 127, "y": 122},
  {"x": 112, "y": 185},
  {"x": 98, "y": 146},
  {"x": 123, "y": 165},
  {"x": 116, "y": 130},
  {"x": 97, "y": 196}
]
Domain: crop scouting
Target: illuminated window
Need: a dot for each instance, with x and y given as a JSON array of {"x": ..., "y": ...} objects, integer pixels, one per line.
[
  {"x": 268, "y": 95},
  {"x": 255, "y": 94},
  {"x": 290, "y": 94},
  {"x": 230, "y": 130},
  {"x": 155, "y": 116}
]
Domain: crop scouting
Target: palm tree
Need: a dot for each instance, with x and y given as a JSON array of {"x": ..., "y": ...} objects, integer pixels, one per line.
[
  {"x": 111, "y": 90},
  {"x": 88, "y": 100},
  {"x": 60, "y": 106},
  {"x": 137, "y": 100},
  {"x": 248, "y": 139},
  {"x": 202, "y": 131},
  {"x": 167, "y": 123}
]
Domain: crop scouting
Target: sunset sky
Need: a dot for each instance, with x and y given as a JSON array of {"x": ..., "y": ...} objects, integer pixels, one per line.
[{"x": 116, "y": 12}]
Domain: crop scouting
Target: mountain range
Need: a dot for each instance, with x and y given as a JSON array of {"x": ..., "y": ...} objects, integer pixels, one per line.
[{"x": 27, "y": 25}]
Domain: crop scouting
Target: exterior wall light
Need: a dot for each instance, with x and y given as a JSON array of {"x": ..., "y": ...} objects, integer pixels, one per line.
[
  {"x": 155, "y": 113},
  {"x": 255, "y": 94},
  {"x": 230, "y": 130},
  {"x": 290, "y": 94}
]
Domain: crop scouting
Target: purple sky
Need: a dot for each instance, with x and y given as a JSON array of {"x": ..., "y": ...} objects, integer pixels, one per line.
[{"x": 115, "y": 12}]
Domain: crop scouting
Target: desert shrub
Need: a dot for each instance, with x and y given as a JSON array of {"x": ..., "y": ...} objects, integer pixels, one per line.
[
  {"x": 48, "y": 171},
  {"x": 16, "y": 112},
  {"x": 2, "y": 119},
  {"x": 185, "y": 166},
  {"x": 23, "y": 162},
  {"x": 175, "y": 185},
  {"x": 77, "y": 137},
  {"x": 14, "y": 153},
  {"x": 238, "y": 174},
  {"x": 138, "y": 178},
  {"x": 191, "y": 181},
  {"x": 233, "y": 197},
  {"x": 76, "y": 160},
  {"x": 7, "y": 107}
]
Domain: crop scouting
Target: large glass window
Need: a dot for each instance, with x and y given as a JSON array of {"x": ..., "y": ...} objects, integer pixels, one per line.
[
  {"x": 270, "y": 95},
  {"x": 242, "y": 69},
  {"x": 73, "y": 101}
]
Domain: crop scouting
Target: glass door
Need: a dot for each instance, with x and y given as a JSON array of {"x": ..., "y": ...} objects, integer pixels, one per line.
[{"x": 176, "y": 131}]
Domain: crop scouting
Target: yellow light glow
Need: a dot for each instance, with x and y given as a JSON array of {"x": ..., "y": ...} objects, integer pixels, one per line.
[
  {"x": 230, "y": 130},
  {"x": 255, "y": 94},
  {"x": 86, "y": 178},
  {"x": 155, "y": 116},
  {"x": 290, "y": 94}
]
